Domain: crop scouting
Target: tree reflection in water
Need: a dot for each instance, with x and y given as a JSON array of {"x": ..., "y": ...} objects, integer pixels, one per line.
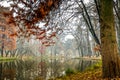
[
  {"x": 1, "y": 71},
  {"x": 40, "y": 69}
]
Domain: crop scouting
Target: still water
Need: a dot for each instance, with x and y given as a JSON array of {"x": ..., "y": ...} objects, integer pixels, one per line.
[{"x": 40, "y": 69}]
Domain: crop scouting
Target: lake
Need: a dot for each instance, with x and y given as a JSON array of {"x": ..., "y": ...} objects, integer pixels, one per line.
[{"x": 40, "y": 69}]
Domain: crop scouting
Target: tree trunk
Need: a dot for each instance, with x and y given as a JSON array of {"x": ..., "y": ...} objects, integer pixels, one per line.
[
  {"x": 119, "y": 23},
  {"x": 82, "y": 48},
  {"x": 109, "y": 47},
  {"x": 2, "y": 46},
  {"x": 1, "y": 71},
  {"x": 2, "y": 49},
  {"x": 88, "y": 44}
]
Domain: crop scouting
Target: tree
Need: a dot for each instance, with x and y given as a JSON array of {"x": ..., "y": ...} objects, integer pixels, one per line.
[
  {"x": 7, "y": 29},
  {"x": 31, "y": 14},
  {"x": 35, "y": 11},
  {"x": 109, "y": 47}
]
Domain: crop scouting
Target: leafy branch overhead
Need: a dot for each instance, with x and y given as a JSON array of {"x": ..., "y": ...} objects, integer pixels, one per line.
[
  {"x": 33, "y": 11},
  {"x": 27, "y": 15},
  {"x": 7, "y": 29}
]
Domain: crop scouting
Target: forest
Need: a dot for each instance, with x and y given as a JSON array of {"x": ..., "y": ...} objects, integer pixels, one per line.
[{"x": 59, "y": 39}]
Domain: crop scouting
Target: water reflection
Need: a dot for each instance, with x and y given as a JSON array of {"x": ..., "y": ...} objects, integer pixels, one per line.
[
  {"x": 40, "y": 69},
  {"x": 0, "y": 71}
]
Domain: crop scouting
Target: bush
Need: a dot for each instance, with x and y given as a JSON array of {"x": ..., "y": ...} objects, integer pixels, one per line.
[
  {"x": 94, "y": 66},
  {"x": 69, "y": 71}
]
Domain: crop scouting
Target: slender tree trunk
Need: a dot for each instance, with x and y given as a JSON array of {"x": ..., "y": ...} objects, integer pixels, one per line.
[
  {"x": 82, "y": 48},
  {"x": 79, "y": 51},
  {"x": 109, "y": 47},
  {"x": 1, "y": 71},
  {"x": 88, "y": 45},
  {"x": 2, "y": 46},
  {"x": 2, "y": 50}
]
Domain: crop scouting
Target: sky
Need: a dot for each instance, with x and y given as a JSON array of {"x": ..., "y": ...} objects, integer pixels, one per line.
[
  {"x": 86, "y": 1},
  {"x": 69, "y": 37},
  {"x": 5, "y": 3}
]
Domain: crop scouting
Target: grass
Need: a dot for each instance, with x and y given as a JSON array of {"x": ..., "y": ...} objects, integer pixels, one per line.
[
  {"x": 93, "y": 72},
  {"x": 70, "y": 71},
  {"x": 94, "y": 66},
  {"x": 7, "y": 58},
  {"x": 89, "y": 58},
  {"x": 87, "y": 75}
]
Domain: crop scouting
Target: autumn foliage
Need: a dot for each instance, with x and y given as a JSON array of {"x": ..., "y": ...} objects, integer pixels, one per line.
[
  {"x": 22, "y": 17},
  {"x": 96, "y": 48},
  {"x": 28, "y": 13},
  {"x": 7, "y": 29}
]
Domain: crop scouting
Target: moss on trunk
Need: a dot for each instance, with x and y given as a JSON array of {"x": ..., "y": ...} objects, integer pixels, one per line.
[{"x": 109, "y": 48}]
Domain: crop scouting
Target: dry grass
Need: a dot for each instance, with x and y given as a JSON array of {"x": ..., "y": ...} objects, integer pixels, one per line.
[
  {"x": 89, "y": 75},
  {"x": 92, "y": 73}
]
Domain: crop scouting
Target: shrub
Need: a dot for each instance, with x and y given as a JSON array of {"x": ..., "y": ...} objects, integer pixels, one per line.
[
  {"x": 94, "y": 66},
  {"x": 69, "y": 71}
]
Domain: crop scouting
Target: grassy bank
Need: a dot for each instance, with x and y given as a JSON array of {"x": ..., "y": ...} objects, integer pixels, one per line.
[
  {"x": 89, "y": 58},
  {"x": 93, "y": 72},
  {"x": 7, "y": 58},
  {"x": 88, "y": 75}
]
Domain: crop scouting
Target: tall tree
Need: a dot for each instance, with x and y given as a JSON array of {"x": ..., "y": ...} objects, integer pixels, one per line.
[
  {"x": 7, "y": 31},
  {"x": 109, "y": 47}
]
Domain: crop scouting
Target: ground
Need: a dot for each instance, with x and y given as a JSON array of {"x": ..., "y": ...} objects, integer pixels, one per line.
[
  {"x": 87, "y": 75},
  {"x": 92, "y": 73}
]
